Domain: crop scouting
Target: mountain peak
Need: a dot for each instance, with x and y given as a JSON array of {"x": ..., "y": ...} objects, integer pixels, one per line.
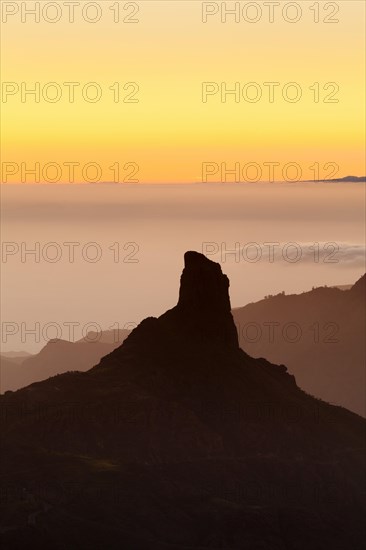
[
  {"x": 202, "y": 284},
  {"x": 200, "y": 322},
  {"x": 204, "y": 303}
]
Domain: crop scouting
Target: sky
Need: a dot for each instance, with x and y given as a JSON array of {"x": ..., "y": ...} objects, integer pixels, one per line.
[{"x": 164, "y": 127}]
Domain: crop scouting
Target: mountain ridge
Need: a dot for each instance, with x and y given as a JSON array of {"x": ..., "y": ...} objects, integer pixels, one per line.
[
  {"x": 179, "y": 439},
  {"x": 324, "y": 347}
]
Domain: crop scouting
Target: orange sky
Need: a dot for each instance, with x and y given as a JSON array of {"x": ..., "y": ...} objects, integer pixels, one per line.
[{"x": 170, "y": 131}]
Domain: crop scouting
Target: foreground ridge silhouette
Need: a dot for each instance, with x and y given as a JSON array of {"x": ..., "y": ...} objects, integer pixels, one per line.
[{"x": 179, "y": 439}]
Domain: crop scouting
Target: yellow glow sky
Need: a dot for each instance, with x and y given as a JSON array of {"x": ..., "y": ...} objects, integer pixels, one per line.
[{"x": 170, "y": 132}]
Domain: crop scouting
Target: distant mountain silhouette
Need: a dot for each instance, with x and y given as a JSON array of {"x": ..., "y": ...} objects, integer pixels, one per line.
[
  {"x": 351, "y": 179},
  {"x": 343, "y": 287},
  {"x": 56, "y": 357},
  {"x": 16, "y": 356},
  {"x": 320, "y": 335},
  {"x": 346, "y": 179},
  {"x": 179, "y": 439}
]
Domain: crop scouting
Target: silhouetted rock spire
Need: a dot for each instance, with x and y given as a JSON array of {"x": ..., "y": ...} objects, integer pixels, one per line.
[
  {"x": 204, "y": 303},
  {"x": 203, "y": 285}
]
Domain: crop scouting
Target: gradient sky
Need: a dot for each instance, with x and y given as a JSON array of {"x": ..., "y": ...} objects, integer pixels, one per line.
[{"x": 169, "y": 53}]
